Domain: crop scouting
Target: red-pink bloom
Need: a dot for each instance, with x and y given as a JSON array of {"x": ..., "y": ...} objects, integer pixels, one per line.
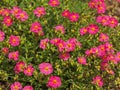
[
  {"x": 61, "y": 45},
  {"x": 36, "y": 27},
  {"x": 65, "y": 56},
  {"x": 55, "y": 41},
  {"x": 19, "y": 67},
  {"x": 88, "y": 52},
  {"x": 54, "y": 82},
  {"x": 7, "y": 21},
  {"x": 98, "y": 80},
  {"x": 92, "y": 4},
  {"x": 22, "y": 15},
  {"x": 5, "y": 50},
  {"x": 118, "y": 1},
  {"x": 66, "y": 13},
  {"x": 43, "y": 43},
  {"x": 60, "y": 28},
  {"x": 108, "y": 46},
  {"x": 28, "y": 71},
  {"x": 117, "y": 56},
  {"x": 103, "y": 37},
  {"x": 16, "y": 86},
  {"x": 82, "y": 60},
  {"x": 83, "y": 31},
  {"x": 2, "y": 36},
  {"x": 6, "y": 12},
  {"x": 75, "y": 42},
  {"x": 112, "y": 58},
  {"x": 104, "y": 65},
  {"x": 28, "y": 87},
  {"x": 70, "y": 46},
  {"x": 15, "y": 11},
  {"x": 74, "y": 17},
  {"x": 14, "y": 40},
  {"x": 104, "y": 20},
  {"x": 54, "y": 3},
  {"x": 101, "y": 8},
  {"x": 94, "y": 50},
  {"x": 93, "y": 29},
  {"x": 113, "y": 22},
  {"x": 39, "y": 11},
  {"x": 45, "y": 68},
  {"x": 13, "y": 55}
]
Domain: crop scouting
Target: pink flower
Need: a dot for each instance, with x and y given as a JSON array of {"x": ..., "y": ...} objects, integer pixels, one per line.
[
  {"x": 16, "y": 86},
  {"x": 101, "y": 8},
  {"x": 82, "y": 60},
  {"x": 22, "y": 15},
  {"x": 98, "y": 80},
  {"x": 43, "y": 43},
  {"x": 13, "y": 55},
  {"x": 113, "y": 22},
  {"x": 65, "y": 56},
  {"x": 60, "y": 28},
  {"x": 61, "y": 45},
  {"x": 74, "y": 17},
  {"x": 39, "y": 11},
  {"x": 70, "y": 46},
  {"x": 55, "y": 41},
  {"x": 104, "y": 65},
  {"x": 28, "y": 88},
  {"x": 36, "y": 27},
  {"x": 54, "y": 82},
  {"x": 6, "y": 12},
  {"x": 54, "y": 3},
  {"x": 93, "y": 29},
  {"x": 19, "y": 67},
  {"x": 75, "y": 42},
  {"x": 5, "y": 50},
  {"x": 103, "y": 37},
  {"x": 45, "y": 68},
  {"x": 28, "y": 71},
  {"x": 108, "y": 46},
  {"x": 103, "y": 20},
  {"x": 14, "y": 40},
  {"x": 92, "y": 4},
  {"x": 15, "y": 11},
  {"x": 7, "y": 21},
  {"x": 118, "y": 1},
  {"x": 66, "y": 13},
  {"x": 2, "y": 36},
  {"x": 83, "y": 31},
  {"x": 117, "y": 56}
]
